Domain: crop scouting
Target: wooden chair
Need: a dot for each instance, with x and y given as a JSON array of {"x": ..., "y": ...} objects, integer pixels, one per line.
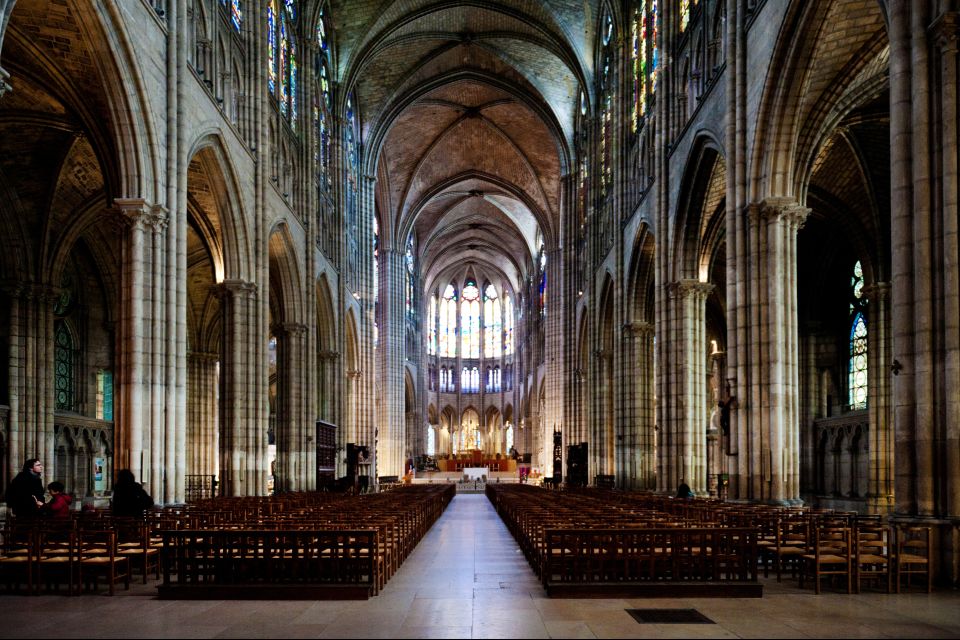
[
  {"x": 872, "y": 559},
  {"x": 134, "y": 544},
  {"x": 828, "y": 554},
  {"x": 18, "y": 555},
  {"x": 913, "y": 554},
  {"x": 97, "y": 556},
  {"x": 789, "y": 545}
]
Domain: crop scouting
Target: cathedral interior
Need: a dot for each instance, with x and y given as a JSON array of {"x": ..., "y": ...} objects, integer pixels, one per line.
[{"x": 624, "y": 243}]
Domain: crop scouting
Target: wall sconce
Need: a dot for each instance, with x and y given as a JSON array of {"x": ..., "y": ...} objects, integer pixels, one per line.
[{"x": 896, "y": 367}]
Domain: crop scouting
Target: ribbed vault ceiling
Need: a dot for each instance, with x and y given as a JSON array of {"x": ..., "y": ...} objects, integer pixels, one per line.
[{"x": 468, "y": 112}]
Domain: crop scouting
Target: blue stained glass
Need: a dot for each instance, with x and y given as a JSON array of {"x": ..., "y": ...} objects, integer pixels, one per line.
[
  {"x": 293, "y": 85},
  {"x": 272, "y": 48},
  {"x": 282, "y": 65},
  {"x": 236, "y": 15}
]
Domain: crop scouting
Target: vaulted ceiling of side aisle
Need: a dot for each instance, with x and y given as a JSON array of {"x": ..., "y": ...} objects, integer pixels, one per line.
[{"x": 469, "y": 108}]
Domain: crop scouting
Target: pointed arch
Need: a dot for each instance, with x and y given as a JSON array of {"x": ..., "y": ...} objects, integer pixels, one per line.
[{"x": 285, "y": 276}]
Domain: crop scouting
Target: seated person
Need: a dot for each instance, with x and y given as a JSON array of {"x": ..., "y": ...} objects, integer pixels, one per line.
[{"x": 59, "y": 506}]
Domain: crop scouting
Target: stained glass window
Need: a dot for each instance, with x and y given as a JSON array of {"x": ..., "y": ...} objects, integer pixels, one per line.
[
  {"x": 294, "y": 87},
  {"x": 282, "y": 67},
  {"x": 431, "y": 441},
  {"x": 64, "y": 363},
  {"x": 606, "y": 90},
  {"x": 543, "y": 294},
  {"x": 376, "y": 278},
  {"x": 508, "y": 325},
  {"x": 104, "y": 395},
  {"x": 236, "y": 15},
  {"x": 272, "y": 46},
  {"x": 684, "y": 15},
  {"x": 470, "y": 321},
  {"x": 410, "y": 263},
  {"x": 639, "y": 64},
  {"x": 322, "y": 103},
  {"x": 352, "y": 136},
  {"x": 448, "y": 322},
  {"x": 653, "y": 33},
  {"x": 432, "y": 326},
  {"x": 492, "y": 323},
  {"x": 857, "y": 368},
  {"x": 283, "y": 53}
]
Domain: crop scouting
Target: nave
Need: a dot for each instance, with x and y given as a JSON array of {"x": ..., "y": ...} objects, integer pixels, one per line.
[{"x": 468, "y": 579}]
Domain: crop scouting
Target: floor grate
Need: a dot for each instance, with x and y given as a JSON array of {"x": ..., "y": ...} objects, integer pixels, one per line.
[{"x": 669, "y": 616}]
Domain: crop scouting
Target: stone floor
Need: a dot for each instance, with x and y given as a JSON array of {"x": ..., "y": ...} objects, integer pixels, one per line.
[{"x": 467, "y": 578}]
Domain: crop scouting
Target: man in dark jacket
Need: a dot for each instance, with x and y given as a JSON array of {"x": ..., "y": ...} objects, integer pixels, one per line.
[{"x": 25, "y": 493}]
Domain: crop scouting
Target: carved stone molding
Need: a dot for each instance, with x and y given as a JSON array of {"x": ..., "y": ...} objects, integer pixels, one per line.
[
  {"x": 237, "y": 288},
  {"x": 691, "y": 287},
  {"x": 877, "y": 291}
]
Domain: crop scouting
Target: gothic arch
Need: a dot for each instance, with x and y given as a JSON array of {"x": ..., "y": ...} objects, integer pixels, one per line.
[
  {"x": 691, "y": 215},
  {"x": 821, "y": 53},
  {"x": 227, "y": 235},
  {"x": 285, "y": 276}
]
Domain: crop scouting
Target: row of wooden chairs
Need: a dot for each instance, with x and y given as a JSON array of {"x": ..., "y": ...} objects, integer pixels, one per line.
[
  {"x": 57, "y": 554},
  {"x": 306, "y": 541},
  {"x": 811, "y": 543},
  {"x": 872, "y": 553}
]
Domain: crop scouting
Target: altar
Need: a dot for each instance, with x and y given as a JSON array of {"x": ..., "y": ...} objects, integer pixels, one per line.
[{"x": 464, "y": 462}]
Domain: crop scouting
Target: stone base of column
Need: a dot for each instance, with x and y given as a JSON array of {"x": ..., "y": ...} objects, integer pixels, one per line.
[{"x": 880, "y": 504}]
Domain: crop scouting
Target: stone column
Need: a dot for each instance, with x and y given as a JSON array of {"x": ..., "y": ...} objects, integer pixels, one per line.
[
  {"x": 600, "y": 451},
  {"x": 351, "y": 414},
  {"x": 239, "y": 417},
  {"x": 644, "y": 411},
  {"x": 291, "y": 434},
  {"x": 15, "y": 449},
  {"x": 879, "y": 489},
  {"x": 392, "y": 421},
  {"x": 134, "y": 428},
  {"x": 946, "y": 30},
  {"x": 203, "y": 414},
  {"x": 773, "y": 426},
  {"x": 156, "y": 336},
  {"x": 684, "y": 432},
  {"x": 554, "y": 360}
]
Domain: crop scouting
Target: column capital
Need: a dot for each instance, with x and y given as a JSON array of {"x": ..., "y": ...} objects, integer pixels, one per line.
[
  {"x": 877, "y": 291},
  {"x": 690, "y": 287},
  {"x": 639, "y": 329},
  {"x": 137, "y": 212},
  {"x": 945, "y": 30},
  {"x": 294, "y": 329},
  {"x": 777, "y": 208},
  {"x": 329, "y": 356},
  {"x": 235, "y": 288},
  {"x": 354, "y": 374}
]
